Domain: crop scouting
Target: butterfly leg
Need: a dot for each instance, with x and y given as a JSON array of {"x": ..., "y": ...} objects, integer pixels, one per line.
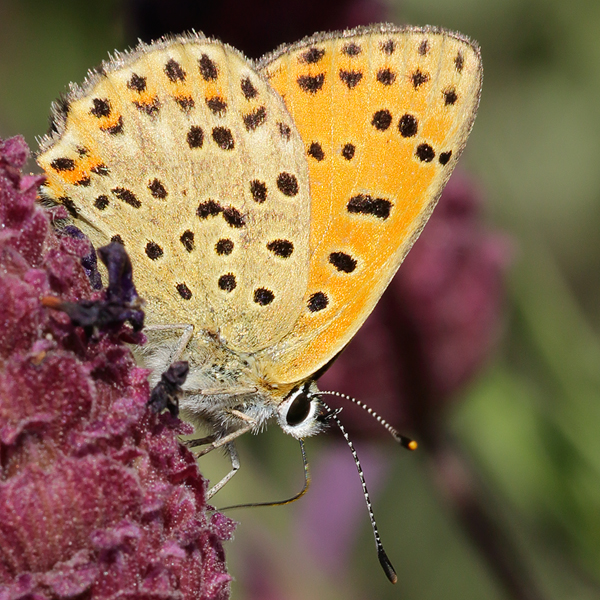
[
  {"x": 184, "y": 340},
  {"x": 248, "y": 426},
  {"x": 209, "y": 439},
  {"x": 235, "y": 465}
]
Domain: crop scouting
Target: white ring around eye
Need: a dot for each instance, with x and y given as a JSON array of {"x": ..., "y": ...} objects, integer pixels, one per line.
[{"x": 310, "y": 425}]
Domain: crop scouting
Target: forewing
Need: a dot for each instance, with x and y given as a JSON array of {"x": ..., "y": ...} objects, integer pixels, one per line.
[{"x": 384, "y": 114}]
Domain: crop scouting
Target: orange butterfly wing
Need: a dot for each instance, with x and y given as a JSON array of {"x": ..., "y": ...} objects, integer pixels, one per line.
[{"x": 384, "y": 114}]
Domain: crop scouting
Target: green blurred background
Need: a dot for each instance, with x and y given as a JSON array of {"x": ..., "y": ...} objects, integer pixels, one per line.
[{"x": 530, "y": 421}]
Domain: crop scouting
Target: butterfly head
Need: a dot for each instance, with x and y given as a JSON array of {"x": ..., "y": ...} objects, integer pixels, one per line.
[{"x": 302, "y": 413}]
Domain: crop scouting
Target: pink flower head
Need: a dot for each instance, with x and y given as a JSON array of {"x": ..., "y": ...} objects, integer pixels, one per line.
[{"x": 97, "y": 496}]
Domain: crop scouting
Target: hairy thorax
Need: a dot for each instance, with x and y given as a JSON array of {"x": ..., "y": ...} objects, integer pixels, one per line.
[{"x": 221, "y": 383}]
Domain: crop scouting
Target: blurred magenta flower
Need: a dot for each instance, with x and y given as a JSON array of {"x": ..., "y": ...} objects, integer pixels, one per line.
[{"x": 98, "y": 499}]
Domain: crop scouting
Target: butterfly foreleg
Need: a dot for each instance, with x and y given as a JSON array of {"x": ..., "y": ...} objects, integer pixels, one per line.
[
  {"x": 235, "y": 465},
  {"x": 209, "y": 439},
  {"x": 226, "y": 439},
  {"x": 182, "y": 342}
]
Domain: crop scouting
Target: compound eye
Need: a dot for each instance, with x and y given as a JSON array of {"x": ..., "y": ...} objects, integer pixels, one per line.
[{"x": 298, "y": 411}]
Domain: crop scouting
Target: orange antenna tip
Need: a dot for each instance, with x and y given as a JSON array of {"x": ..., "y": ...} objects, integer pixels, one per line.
[{"x": 405, "y": 442}]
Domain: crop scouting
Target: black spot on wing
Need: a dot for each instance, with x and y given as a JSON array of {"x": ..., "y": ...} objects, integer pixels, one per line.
[
  {"x": 187, "y": 240},
  {"x": 408, "y": 125},
  {"x": 450, "y": 96},
  {"x": 126, "y": 196},
  {"x": 174, "y": 71},
  {"x": 281, "y": 248},
  {"x": 444, "y": 157},
  {"x": 311, "y": 84},
  {"x": 63, "y": 164},
  {"x": 153, "y": 251},
  {"x": 285, "y": 131},
  {"x": 350, "y": 78},
  {"x": 348, "y": 151},
  {"x": 114, "y": 129},
  {"x": 101, "y": 202},
  {"x": 217, "y": 105},
  {"x": 150, "y": 108},
  {"x": 157, "y": 189},
  {"x": 351, "y": 49},
  {"x": 258, "y": 189},
  {"x": 224, "y": 247},
  {"x": 210, "y": 208},
  {"x": 255, "y": 118},
  {"x": 318, "y": 301},
  {"x": 184, "y": 291},
  {"x": 223, "y": 137},
  {"x": 195, "y": 137},
  {"x": 227, "y": 282},
  {"x": 100, "y": 107},
  {"x": 248, "y": 88},
  {"x": 364, "y": 204},
  {"x": 233, "y": 217},
  {"x": 208, "y": 68},
  {"x": 388, "y": 47},
  {"x": 263, "y": 296},
  {"x": 287, "y": 184},
  {"x": 381, "y": 120},
  {"x": 316, "y": 151},
  {"x": 185, "y": 103},
  {"x": 425, "y": 153},
  {"x": 137, "y": 83},
  {"x": 312, "y": 55},
  {"x": 386, "y": 76},
  {"x": 342, "y": 262},
  {"x": 418, "y": 78}
]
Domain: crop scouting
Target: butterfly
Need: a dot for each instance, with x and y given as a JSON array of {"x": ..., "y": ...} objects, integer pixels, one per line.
[{"x": 265, "y": 205}]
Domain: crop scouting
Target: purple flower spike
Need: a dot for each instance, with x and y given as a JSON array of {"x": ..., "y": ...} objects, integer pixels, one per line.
[{"x": 98, "y": 499}]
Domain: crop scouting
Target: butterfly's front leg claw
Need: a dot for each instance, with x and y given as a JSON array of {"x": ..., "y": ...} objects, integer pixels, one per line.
[
  {"x": 182, "y": 342},
  {"x": 250, "y": 423},
  {"x": 209, "y": 439}
]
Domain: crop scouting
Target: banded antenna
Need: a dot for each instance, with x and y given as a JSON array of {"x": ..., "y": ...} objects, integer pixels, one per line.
[
  {"x": 404, "y": 441},
  {"x": 332, "y": 415}
]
